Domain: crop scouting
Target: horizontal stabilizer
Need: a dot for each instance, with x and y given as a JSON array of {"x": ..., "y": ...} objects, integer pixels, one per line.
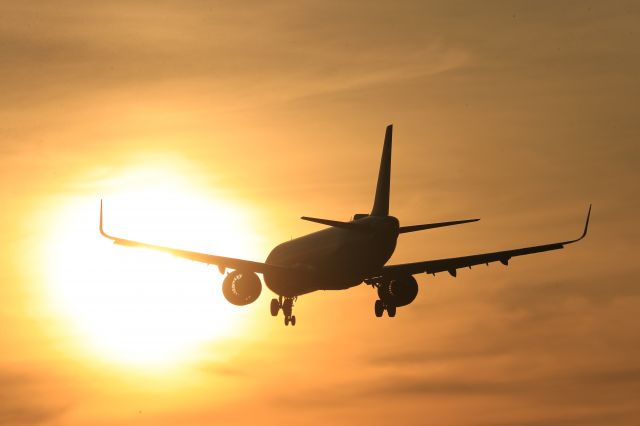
[
  {"x": 413, "y": 228},
  {"x": 337, "y": 224}
]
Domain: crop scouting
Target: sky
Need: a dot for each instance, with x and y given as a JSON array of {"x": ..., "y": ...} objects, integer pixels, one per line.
[{"x": 214, "y": 126}]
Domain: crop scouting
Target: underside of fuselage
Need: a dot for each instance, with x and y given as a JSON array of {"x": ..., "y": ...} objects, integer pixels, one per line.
[{"x": 333, "y": 258}]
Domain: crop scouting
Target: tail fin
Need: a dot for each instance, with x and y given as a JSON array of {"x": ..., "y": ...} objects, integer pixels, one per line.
[{"x": 381, "y": 202}]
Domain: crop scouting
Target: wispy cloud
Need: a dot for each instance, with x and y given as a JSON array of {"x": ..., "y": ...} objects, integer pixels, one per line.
[{"x": 25, "y": 399}]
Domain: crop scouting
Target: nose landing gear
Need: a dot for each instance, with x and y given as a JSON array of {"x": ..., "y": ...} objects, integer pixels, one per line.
[{"x": 286, "y": 304}]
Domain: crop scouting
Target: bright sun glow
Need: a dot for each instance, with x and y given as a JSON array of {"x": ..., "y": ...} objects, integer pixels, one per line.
[{"x": 137, "y": 306}]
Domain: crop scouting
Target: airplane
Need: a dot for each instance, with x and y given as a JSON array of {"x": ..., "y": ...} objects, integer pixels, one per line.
[{"x": 341, "y": 256}]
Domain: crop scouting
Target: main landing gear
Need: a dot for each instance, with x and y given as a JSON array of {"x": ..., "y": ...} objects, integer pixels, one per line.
[
  {"x": 379, "y": 307},
  {"x": 286, "y": 304}
]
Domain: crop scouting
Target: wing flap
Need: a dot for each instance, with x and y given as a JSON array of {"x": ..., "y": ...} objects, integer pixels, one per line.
[
  {"x": 221, "y": 261},
  {"x": 452, "y": 264}
]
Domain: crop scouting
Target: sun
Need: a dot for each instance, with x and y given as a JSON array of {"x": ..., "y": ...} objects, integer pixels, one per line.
[{"x": 136, "y": 306}]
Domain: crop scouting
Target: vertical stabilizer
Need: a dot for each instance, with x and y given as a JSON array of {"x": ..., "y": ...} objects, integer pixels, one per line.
[{"x": 381, "y": 202}]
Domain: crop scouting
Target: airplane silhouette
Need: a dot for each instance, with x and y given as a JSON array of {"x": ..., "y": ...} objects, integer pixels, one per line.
[{"x": 344, "y": 255}]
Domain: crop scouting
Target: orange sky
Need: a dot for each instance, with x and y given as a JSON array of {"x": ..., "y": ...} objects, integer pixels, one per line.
[{"x": 214, "y": 127}]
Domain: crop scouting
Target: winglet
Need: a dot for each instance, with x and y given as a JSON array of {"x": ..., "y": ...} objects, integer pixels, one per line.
[
  {"x": 586, "y": 228},
  {"x": 586, "y": 224},
  {"x": 104, "y": 234}
]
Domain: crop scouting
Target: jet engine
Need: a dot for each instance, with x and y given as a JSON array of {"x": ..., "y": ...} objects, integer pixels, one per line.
[
  {"x": 398, "y": 292},
  {"x": 241, "y": 288}
]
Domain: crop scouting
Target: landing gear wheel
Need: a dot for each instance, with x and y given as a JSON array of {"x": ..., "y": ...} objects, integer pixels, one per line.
[
  {"x": 391, "y": 311},
  {"x": 275, "y": 307},
  {"x": 378, "y": 308},
  {"x": 287, "y": 309}
]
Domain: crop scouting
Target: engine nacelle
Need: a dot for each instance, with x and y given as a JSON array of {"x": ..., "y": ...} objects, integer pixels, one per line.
[
  {"x": 399, "y": 292},
  {"x": 241, "y": 288}
]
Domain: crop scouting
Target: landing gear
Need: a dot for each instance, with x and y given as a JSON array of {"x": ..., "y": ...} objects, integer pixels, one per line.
[
  {"x": 286, "y": 304},
  {"x": 287, "y": 310},
  {"x": 379, "y": 307}
]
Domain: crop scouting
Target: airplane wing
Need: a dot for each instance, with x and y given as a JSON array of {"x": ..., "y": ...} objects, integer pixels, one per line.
[
  {"x": 220, "y": 261},
  {"x": 452, "y": 264}
]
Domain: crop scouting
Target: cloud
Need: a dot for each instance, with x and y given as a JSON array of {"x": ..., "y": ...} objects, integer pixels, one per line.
[
  {"x": 469, "y": 350},
  {"x": 25, "y": 399},
  {"x": 589, "y": 395},
  {"x": 232, "y": 53},
  {"x": 594, "y": 418},
  {"x": 227, "y": 369}
]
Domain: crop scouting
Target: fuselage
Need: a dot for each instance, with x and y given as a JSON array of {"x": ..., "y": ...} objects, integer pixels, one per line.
[{"x": 333, "y": 258}]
